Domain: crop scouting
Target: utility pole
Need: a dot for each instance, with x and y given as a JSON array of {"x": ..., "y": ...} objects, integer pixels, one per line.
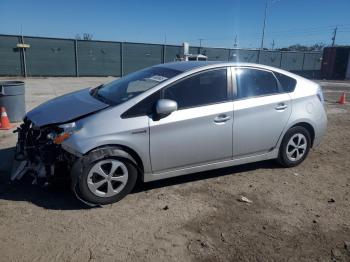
[
  {"x": 235, "y": 44},
  {"x": 272, "y": 44},
  {"x": 334, "y": 35},
  {"x": 263, "y": 31},
  {"x": 200, "y": 42}
]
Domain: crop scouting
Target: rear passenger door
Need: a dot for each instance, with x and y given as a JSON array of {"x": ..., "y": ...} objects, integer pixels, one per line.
[{"x": 261, "y": 111}]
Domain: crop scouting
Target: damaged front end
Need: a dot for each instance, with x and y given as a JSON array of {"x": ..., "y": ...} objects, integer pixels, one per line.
[{"x": 39, "y": 153}]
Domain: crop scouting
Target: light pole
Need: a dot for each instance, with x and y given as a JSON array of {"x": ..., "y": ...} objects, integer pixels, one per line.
[{"x": 263, "y": 29}]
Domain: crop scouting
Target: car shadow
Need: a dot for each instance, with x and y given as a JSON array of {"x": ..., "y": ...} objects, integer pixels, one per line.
[
  {"x": 267, "y": 164},
  {"x": 60, "y": 196}
]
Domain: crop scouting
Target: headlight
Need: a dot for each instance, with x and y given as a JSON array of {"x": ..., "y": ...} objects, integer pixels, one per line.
[{"x": 68, "y": 130}]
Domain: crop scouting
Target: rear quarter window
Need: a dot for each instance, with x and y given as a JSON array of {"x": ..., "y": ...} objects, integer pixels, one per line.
[{"x": 287, "y": 83}]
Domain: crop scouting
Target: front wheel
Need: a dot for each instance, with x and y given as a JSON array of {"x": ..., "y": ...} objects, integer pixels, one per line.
[
  {"x": 295, "y": 147},
  {"x": 107, "y": 180}
]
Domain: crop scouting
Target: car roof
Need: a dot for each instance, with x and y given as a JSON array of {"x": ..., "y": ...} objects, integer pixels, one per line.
[
  {"x": 187, "y": 65},
  {"x": 184, "y": 66}
]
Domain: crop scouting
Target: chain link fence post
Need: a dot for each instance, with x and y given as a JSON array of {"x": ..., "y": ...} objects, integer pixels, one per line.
[
  {"x": 121, "y": 59},
  {"x": 76, "y": 58}
]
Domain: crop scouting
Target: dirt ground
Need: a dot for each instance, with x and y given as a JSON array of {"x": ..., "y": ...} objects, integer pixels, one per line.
[{"x": 297, "y": 214}]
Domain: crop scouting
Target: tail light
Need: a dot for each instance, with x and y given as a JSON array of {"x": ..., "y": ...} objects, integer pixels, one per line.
[{"x": 320, "y": 95}]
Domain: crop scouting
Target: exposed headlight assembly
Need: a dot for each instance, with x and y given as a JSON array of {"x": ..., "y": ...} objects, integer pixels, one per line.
[{"x": 68, "y": 130}]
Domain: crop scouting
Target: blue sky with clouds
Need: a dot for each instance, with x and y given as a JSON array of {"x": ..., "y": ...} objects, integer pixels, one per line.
[{"x": 216, "y": 22}]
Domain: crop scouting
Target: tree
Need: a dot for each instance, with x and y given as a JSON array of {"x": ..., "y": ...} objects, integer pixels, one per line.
[
  {"x": 304, "y": 48},
  {"x": 86, "y": 36},
  {"x": 317, "y": 46}
]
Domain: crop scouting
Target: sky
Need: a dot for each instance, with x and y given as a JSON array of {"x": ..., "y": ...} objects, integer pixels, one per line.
[{"x": 217, "y": 22}]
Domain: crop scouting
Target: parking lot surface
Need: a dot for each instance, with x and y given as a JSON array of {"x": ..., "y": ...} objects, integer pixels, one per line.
[{"x": 296, "y": 214}]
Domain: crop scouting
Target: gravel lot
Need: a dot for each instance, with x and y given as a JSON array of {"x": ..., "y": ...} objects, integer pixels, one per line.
[{"x": 297, "y": 214}]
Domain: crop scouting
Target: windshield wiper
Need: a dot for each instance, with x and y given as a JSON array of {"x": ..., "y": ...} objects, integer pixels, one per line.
[
  {"x": 94, "y": 93},
  {"x": 102, "y": 98},
  {"x": 95, "y": 90}
]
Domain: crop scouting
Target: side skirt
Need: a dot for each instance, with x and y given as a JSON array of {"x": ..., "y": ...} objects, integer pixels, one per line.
[{"x": 205, "y": 167}]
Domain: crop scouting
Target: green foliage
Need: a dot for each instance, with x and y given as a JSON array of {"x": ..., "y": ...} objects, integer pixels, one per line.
[{"x": 304, "y": 48}]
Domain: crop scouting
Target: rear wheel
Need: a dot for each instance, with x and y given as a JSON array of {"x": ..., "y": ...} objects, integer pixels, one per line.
[
  {"x": 295, "y": 147},
  {"x": 107, "y": 180}
]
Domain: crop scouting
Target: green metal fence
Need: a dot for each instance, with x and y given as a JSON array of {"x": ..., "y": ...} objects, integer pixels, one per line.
[
  {"x": 10, "y": 56},
  {"x": 70, "y": 57}
]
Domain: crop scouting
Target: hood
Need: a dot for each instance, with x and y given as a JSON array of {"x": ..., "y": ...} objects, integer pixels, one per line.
[{"x": 65, "y": 108}]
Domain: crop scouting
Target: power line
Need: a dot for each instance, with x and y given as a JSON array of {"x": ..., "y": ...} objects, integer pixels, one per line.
[
  {"x": 315, "y": 32},
  {"x": 318, "y": 28},
  {"x": 299, "y": 33}
]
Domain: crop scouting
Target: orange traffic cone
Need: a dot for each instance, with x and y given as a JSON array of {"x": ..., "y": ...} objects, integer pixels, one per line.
[
  {"x": 4, "y": 121},
  {"x": 342, "y": 99}
]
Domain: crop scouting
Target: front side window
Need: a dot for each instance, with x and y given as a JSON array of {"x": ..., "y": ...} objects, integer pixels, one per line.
[
  {"x": 201, "y": 89},
  {"x": 254, "y": 82},
  {"x": 131, "y": 85},
  {"x": 144, "y": 107}
]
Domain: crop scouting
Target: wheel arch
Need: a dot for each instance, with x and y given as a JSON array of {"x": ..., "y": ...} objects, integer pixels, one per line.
[
  {"x": 114, "y": 149},
  {"x": 100, "y": 152},
  {"x": 309, "y": 128},
  {"x": 118, "y": 151}
]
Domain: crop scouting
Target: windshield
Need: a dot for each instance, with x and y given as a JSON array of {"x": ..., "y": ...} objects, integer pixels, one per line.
[{"x": 131, "y": 85}]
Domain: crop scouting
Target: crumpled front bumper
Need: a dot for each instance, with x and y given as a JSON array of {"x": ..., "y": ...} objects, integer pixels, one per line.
[{"x": 37, "y": 155}]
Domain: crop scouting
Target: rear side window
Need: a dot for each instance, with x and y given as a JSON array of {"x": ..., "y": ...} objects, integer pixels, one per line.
[
  {"x": 201, "y": 89},
  {"x": 287, "y": 83},
  {"x": 254, "y": 82}
]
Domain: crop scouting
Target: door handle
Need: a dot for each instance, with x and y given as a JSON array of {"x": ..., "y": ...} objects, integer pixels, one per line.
[
  {"x": 221, "y": 118},
  {"x": 281, "y": 106}
]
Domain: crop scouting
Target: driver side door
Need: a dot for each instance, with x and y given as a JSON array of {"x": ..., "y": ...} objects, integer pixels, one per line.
[{"x": 200, "y": 131}]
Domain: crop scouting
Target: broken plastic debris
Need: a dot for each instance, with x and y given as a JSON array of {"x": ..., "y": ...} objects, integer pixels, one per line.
[{"x": 244, "y": 199}]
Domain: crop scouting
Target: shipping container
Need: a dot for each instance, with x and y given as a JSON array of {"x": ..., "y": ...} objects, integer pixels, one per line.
[{"x": 335, "y": 62}]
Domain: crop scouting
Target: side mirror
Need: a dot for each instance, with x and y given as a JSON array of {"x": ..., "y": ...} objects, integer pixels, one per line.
[{"x": 165, "y": 107}]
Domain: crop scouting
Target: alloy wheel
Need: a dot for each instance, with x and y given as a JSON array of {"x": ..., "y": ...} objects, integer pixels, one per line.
[
  {"x": 107, "y": 178},
  {"x": 296, "y": 147}
]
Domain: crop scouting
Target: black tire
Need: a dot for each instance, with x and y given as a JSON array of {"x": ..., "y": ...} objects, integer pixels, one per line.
[
  {"x": 82, "y": 183},
  {"x": 283, "y": 158}
]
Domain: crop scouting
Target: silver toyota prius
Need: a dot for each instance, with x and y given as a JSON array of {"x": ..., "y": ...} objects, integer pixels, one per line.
[{"x": 169, "y": 120}]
